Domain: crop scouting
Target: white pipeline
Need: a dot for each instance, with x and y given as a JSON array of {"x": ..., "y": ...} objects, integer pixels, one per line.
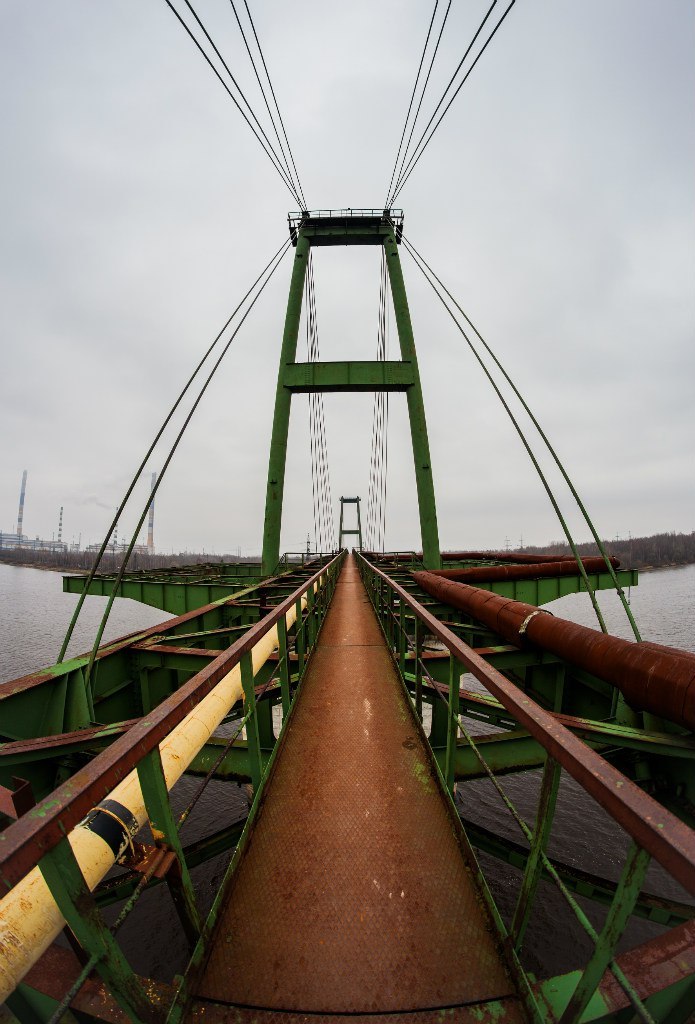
[{"x": 29, "y": 917}]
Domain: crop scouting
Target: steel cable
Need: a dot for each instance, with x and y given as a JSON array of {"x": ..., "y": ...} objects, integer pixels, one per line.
[
  {"x": 288, "y": 178},
  {"x": 172, "y": 451},
  {"x": 119, "y": 511},
  {"x": 524, "y": 441},
  {"x": 298, "y": 187},
  {"x": 410, "y": 105},
  {"x": 415, "y": 157},
  {"x": 546, "y": 442},
  {"x": 424, "y": 89},
  {"x": 376, "y": 494},
  {"x": 326, "y": 523},
  {"x": 272, "y": 91},
  {"x": 270, "y": 152},
  {"x": 312, "y": 446}
]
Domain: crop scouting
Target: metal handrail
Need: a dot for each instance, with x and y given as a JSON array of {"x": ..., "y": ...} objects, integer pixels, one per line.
[
  {"x": 36, "y": 833},
  {"x": 654, "y": 828}
]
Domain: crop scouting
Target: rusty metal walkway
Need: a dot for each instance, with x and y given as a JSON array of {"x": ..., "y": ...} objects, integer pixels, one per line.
[{"x": 353, "y": 895}]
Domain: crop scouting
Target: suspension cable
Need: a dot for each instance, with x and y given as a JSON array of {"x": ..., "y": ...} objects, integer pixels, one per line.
[
  {"x": 265, "y": 98},
  {"x": 312, "y": 446},
  {"x": 318, "y": 424},
  {"x": 272, "y": 91},
  {"x": 410, "y": 105},
  {"x": 119, "y": 511},
  {"x": 548, "y": 445},
  {"x": 376, "y": 495},
  {"x": 288, "y": 178},
  {"x": 269, "y": 151},
  {"x": 529, "y": 450},
  {"x": 326, "y": 478},
  {"x": 424, "y": 89},
  {"x": 172, "y": 451},
  {"x": 421, "y": 146}
]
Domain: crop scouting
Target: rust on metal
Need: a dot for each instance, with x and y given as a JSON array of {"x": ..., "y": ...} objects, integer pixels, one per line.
[
  {"x": 527, "y": 571},
  {"x": 653, "y": 827},
  {"x": 468, "y": 556},
  {"x": 25, "y": 841},
  {"x": 353, "y": 895},
  {"x": 501, "y": 556},
  {"x": 59, "y": 968},
  {"x": 656, "y": 965},
  {"x": 652, "y": 678},
  {"x": 17, "y": 801}
]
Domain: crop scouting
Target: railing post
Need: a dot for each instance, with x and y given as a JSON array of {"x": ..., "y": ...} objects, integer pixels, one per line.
[
  {"x": 311, "y": 616},
  {"x": 70, "y": 891},
  {"x": 534, "y": 864},
  {"x": 299, "y": 638},
  {"x": 164, "y": 831},
  {"x": 284, "y": 665},
  {"x": 402, "y": 646},
  {"x": 453, "y": 723},
  {"x": 392, "y": 619},
  {"x": 418, "y": 666},
  {"x": 252, "y": 739}
]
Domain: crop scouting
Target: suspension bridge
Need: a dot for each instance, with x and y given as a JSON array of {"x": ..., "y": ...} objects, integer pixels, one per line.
[{"x": 359, "y": 693}]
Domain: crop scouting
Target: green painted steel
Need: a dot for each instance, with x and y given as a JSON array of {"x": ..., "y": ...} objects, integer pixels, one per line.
[
  {"x": 62, "y": 875},
  {"x": 165, "y": 834},
  {"x": 427, "y": 505},
  {"x": 281, "y": 419},
  {"x": 343, "y": 532},
  {"x": 349, "y": 375}
]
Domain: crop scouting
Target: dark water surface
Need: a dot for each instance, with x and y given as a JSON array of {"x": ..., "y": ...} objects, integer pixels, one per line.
[{"x": 34, "y": 614}]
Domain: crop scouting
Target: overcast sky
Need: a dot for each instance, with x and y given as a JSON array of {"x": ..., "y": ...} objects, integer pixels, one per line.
[{"x": 556, "y": 201}]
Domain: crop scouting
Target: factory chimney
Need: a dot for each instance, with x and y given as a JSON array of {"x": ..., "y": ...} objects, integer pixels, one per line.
[
  {"x": 60, "y": 526},
  {"x": 20, "y": 514},
  {"x": 150, "y": 524}
]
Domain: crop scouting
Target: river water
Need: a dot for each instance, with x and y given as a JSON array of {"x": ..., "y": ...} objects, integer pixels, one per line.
[{"x": 34, "y": 614}]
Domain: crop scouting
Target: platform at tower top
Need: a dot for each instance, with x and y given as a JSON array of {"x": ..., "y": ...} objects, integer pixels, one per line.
[{"x": 346, "y": 226}]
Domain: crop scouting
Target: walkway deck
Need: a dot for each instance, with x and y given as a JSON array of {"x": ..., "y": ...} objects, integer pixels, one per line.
[{"x": 352, "y": 895}]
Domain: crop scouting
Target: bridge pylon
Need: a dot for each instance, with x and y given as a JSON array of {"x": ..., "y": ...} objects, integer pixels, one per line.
[
  {"x": 348, "y": 227},
  {"x": 350, "y": 533}
]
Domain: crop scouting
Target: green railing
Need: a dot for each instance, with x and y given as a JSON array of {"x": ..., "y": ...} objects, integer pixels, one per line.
[
  {"x": 39, "y": 842},
  {"x": 653, "y": 831}
]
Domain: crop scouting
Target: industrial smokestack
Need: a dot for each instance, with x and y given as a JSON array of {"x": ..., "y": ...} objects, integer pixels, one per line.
[
  {"x": 60, "y": 526},
  {"x": 150, "y": 524},
  {"x": 20, "y": 514}
]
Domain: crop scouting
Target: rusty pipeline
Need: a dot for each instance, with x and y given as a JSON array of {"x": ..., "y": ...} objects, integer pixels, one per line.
[
  {"x": 527, "y": 571},
  {"x": 500, "y": 556},
  {"x": 473, "y": 556},
  {"x": 660, "y": 680}
]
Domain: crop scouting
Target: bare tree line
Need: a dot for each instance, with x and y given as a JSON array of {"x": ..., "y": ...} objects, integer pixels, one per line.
[{"x": 660, "y": 549}]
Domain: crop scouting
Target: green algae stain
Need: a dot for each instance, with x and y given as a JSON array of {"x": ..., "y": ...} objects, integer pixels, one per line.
[{"x": 422, "y": 774}]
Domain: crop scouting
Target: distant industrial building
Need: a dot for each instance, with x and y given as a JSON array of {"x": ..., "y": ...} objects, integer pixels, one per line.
[
  {"x": 19, "y": 540},
  {"x": 13, "y": 541}
]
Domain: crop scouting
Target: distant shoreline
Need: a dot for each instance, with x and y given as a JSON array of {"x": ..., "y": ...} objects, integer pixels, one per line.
[{"x": 75, "y": 571}]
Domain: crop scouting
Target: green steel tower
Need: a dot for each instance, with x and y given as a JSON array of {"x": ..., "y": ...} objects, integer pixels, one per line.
[
  {"x": 342, "y": 531},
  {"x": 350, "y": 227}
]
